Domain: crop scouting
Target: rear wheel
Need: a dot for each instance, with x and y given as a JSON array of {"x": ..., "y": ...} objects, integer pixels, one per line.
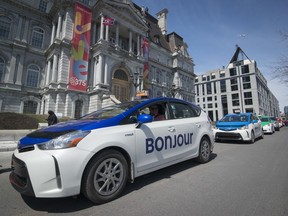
[
  {"x": 105, "y": 177},
  {"x": 204, "y": 150}
]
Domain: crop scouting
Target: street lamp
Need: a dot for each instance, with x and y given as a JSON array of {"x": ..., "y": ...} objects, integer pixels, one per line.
[
  {"x": 136, "y": 80},
  {"x": 173, "y": 90}
]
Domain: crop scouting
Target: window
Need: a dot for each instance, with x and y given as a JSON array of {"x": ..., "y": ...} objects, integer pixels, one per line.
[
  {"x": 30, "y": 107},
  {"x": 42, "y": 6},
  {"x": 234, "y": 84},
  {"x": 222, "y": 74},
  {"x": 78, "y": 109},
  {"x": 37, "y": 37},
  {"x": 196, "y": 80},
  {"x": 246, "y": 82},
  {"x": 2, "y": 69},
  {"x": 209, "y": 88},
  {"x": 223, "y": 85},
  {"x": 121, "y": 75},
  {"x": 248, "y": 98},
  {"x": 203, "y": 77},
  {"x": 184, "y": 111},
  {"x": 210, "y": 105},
  {"x": 233, "y": 72},
  {"x": 209, "y": 98},
  {"x": 4, "y": 27},
  {"x": 32, "y": 76},
  {"x": 235, "y": 99},
  {"x": 213, "y": 76},
  {"x": 245, "y": 69}
]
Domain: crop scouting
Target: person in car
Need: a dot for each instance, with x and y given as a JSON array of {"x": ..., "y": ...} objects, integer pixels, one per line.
[{"x": 156, "y": 112}]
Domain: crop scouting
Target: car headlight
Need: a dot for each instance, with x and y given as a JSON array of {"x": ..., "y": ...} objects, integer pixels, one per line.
[
  {"x": 65, "y": 141},
  {"x": 244, "y": 127}
]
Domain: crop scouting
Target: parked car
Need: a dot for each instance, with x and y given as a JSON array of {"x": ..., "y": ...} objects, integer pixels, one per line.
[
  {"x": 275, "y": 122},
  {"x": 97, "y": 154},
  {"x": 242, "y": 126},
  {"x": 267, "y": 124}
]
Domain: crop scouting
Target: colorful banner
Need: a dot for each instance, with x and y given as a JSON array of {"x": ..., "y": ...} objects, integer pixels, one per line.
[
  {"x": 80, "y": 48},
  {"x": 145, "y": 47}
]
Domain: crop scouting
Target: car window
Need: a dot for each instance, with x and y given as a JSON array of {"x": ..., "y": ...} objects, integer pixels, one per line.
[{"x": 181, "y": 110}]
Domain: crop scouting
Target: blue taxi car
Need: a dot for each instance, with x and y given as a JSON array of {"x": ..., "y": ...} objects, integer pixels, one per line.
[
  {"x": 240, "y": 126},
  {"x": 97, "y": 154}
]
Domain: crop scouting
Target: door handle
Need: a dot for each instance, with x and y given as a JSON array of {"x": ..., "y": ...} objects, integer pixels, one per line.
[
  {"x": 198, "y": 125},
  {"x": 171, "y": 129}
]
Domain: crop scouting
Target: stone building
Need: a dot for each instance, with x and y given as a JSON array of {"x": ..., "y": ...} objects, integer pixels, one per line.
[
  {"x": 239, "y": 87},
  {"x": 36, "y": 48}
]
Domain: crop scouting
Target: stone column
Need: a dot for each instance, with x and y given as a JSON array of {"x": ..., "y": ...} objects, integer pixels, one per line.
[
  {"x": 26, "y": 29},
  {"x": 19, "y": 28},
  {"x": 117, "y": 35},
  {"x": 20, "y": 70},
  {"x": 48, "y": 71},
  {"x": 130, "y": 41},
  {"x": 101, "y": 27},
  {"x": 54, "y": 68},
  {"x": 106, "y": 71},
  {"x": 53, "y": 33},
  {"x": 59, "y": 26}
]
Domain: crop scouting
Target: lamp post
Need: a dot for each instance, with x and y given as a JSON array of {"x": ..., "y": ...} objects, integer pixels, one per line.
[
  {"x": 173, "y": 90},
  {"x": 136, "y": 80}
]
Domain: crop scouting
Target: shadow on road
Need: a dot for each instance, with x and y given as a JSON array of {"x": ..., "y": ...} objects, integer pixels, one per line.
[{"x": 77, "y": 203}]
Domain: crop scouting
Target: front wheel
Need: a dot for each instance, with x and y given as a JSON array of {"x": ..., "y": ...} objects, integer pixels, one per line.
[
  {"x": 204, "y": 150},
  {"x": 105, "y": 177},
  {"x": 252, "y": 140}
]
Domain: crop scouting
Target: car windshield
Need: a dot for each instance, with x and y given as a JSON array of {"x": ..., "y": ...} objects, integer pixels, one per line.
[
  {"x": 110, "y": 111},
  {"x": 235, "y": 118},
  {"x": 264, "y": 119}
]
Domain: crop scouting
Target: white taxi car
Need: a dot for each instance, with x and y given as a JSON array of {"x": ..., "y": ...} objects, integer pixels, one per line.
[
  {"x": 97, "y": 154},
  {"x": 239, "y": 127}
]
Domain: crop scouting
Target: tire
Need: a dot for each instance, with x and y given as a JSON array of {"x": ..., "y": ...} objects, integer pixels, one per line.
[
  {"x": 262, "y": 135},
  {"x": 252, "y": 137},
  {"x": 204, "y": 151},
  {"x": 105, "y": 177}
]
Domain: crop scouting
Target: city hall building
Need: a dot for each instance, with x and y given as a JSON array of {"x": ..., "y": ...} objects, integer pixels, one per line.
[
  {"x": 239, "y": 87},
  {"x": 74, "y": 57}
]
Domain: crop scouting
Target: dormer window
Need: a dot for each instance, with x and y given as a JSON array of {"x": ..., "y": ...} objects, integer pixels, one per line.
[{"x": 156, "y": 39}]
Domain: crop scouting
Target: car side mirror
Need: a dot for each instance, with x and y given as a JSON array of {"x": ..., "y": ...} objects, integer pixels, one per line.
[{"x": 144, "y": 118}]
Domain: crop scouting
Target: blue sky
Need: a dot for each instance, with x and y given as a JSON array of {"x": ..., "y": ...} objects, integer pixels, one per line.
[{"x": 212, "y": 28}]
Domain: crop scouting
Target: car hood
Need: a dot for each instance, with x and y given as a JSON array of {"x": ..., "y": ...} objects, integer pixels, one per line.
[
  {"x": 229, "y": 126},
  {"x": 51, "y": 132}
]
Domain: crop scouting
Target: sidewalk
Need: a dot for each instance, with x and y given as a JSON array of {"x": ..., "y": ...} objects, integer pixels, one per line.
[{"x": 9, "y": 139}]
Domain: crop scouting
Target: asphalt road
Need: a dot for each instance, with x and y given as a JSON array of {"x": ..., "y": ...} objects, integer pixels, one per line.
[{"x": 241, "y": 180}]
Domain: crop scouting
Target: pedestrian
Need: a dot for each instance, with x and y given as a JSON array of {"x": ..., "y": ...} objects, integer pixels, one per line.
[{"x": 52, "y": 118}]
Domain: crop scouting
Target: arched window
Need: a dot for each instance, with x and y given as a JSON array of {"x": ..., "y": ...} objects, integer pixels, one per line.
[
  {"x": 30, "y": 107},
  {"x": 4, "y": 27},
  {"x": 121, "y": 75},
  {"x": 78, "y": 109},
  {"x": 120, "y": 85},
  {"x": 2, "y": 69},
  {"x": 32, "y": 76},
  {"x": 37, "y": 37}
]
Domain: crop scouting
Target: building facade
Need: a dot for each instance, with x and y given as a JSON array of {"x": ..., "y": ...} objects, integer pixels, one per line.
[
  {"x": 36, "y": 47},
  {"x": 240, "y": 87}
]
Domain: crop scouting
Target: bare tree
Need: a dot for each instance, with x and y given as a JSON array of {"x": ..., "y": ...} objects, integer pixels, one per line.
[{"x": 281, "y": 68}]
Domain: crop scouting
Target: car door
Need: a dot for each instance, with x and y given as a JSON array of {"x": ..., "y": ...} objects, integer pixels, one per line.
[
  {"x": 161, "y": 143},
  {"x": 257, "y": 126}
]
